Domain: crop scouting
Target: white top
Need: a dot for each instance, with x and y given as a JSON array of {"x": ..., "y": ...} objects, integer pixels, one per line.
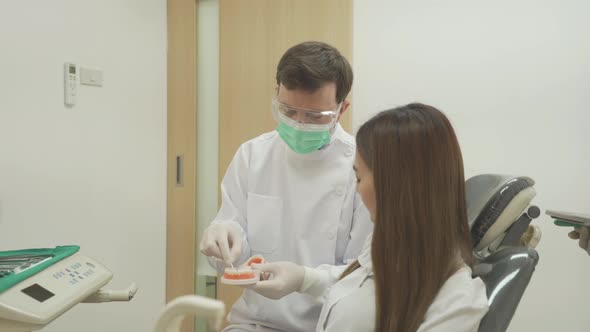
[
  {"x": 459, "y": 306},
  {"x": 293, "y": 207}
]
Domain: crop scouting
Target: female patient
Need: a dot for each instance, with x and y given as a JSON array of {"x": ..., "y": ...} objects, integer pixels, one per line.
[{"x": 414, "y": 274}]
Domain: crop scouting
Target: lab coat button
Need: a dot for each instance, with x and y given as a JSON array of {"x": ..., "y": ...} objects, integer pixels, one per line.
[
  {"x": 338, "y": 192},
  {"x": 331, "y": 236},
  {"x": 348, "y": 153}
]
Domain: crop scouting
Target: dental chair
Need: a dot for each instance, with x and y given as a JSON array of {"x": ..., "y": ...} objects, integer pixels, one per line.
[{"x": 500, "y": 214}]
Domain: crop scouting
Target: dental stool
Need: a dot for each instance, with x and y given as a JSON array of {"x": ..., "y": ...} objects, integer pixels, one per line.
[{"x": 499, "y": 212}]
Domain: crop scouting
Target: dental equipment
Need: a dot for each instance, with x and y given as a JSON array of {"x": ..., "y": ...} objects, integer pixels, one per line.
[
  {"x": 171, "y": 317},
  {"x": 39, "y": 285},
  {"x": 569, "y": 219}
]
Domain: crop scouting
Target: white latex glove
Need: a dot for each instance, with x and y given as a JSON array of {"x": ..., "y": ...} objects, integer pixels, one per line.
[
  {"x": 223, "y": 241},
  {"x": 583, "y": 234},
  {"x": 284, "y": 278}
]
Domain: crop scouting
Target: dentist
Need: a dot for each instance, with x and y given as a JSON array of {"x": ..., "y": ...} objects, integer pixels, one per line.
[{"x": 289, "y": 194}]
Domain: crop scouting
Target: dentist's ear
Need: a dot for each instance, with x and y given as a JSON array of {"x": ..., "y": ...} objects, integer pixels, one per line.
[{"x": 343, "y": 108}]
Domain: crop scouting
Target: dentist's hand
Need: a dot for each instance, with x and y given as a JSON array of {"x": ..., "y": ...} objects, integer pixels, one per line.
[
  {"x": 583, "y": 235},
  {"x": 284, "y": 279},
  {"x": 223, "y": 241}
]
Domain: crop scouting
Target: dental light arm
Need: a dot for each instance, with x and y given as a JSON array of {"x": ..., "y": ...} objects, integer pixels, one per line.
[{"x": 171, "y": 317}]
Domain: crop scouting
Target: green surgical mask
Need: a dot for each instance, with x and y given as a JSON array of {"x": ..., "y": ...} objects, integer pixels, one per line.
[{"x": 303, "y": 141}]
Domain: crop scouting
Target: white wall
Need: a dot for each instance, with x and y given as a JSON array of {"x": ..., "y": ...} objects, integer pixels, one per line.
[
  {"x": 514, "y": 78},
  {"x": 93, "y": 175}
]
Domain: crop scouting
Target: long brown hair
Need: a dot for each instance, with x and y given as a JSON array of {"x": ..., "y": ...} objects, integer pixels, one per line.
[{"x": 421, "y": 236}]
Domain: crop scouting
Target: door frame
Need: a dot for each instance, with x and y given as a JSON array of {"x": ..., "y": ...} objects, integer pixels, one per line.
[{"x": 181, "y": 155}]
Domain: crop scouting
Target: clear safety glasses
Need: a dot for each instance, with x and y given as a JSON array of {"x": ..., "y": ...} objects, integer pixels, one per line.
[{"x": 301, "y": 116}]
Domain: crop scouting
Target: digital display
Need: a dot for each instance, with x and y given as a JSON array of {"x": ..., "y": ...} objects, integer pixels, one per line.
[
  {"x": 38, "y": 293},
  {"x": 72, "y": 69}
]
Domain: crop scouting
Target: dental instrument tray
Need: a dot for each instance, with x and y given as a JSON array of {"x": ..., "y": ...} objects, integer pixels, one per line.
[
  {"x": 39, "y": 285},
  {"x": 19, "y": 265},
  {"x": 568, "y": 218}
]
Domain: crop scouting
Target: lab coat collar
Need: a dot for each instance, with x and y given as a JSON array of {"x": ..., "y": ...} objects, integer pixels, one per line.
[
  {"x": 365, "y": 259},
  {"x": 336, "y": 133}
]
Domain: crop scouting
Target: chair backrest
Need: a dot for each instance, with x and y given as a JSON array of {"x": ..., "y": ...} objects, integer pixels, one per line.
[
  {"x": 494, "y": 203},
  {"x": 499, "y": 213},
  {"x": 506, "y": 274}
]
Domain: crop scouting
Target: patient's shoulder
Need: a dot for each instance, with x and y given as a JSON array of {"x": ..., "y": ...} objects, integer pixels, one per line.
[
  {"x": 461, "y": 288},
  {"x": 461, "y": 301}
]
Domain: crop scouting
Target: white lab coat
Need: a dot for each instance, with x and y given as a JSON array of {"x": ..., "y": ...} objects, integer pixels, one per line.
[
  {"x": 293, "y": 207},
  {"x": 350, "y": 303}
]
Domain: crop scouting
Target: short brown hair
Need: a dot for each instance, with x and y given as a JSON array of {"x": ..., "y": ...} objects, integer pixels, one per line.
[{"x": 309, "y": 65}]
